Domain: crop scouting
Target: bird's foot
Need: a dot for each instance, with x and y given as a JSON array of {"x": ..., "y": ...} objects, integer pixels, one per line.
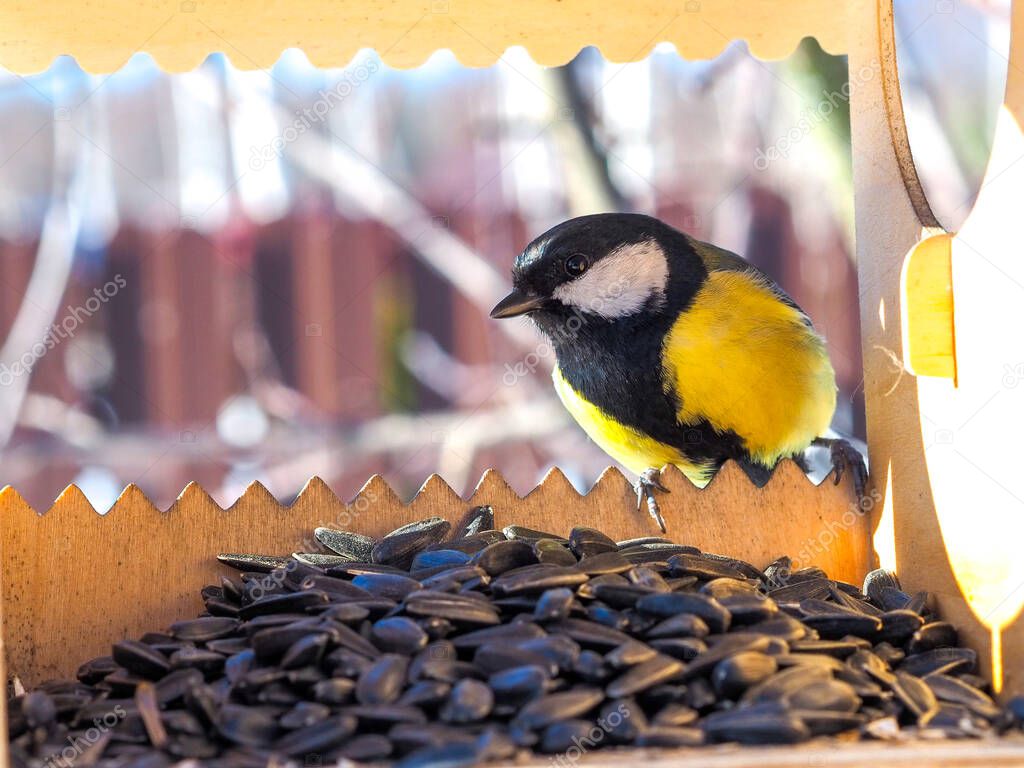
[
  {"x": 645, "y": 486},
  {"x": 845, "y": 458}
]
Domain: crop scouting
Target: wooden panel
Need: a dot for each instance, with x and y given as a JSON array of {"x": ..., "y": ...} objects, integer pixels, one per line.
[
  {"x": 181, "y": 33},
  {"x": 945, "y": 454},
  {"x": 76, "y": 581},
  {"x": 972, "y": 548}
]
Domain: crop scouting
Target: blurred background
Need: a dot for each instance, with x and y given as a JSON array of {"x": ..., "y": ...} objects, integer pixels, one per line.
[{"x": 226, "y": 276}]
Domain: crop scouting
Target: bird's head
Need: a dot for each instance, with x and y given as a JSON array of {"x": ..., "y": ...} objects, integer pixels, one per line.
[{"x": 601, "y": 268}]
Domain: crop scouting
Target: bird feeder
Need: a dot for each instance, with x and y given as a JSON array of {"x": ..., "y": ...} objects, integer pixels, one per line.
[{"x": 941, "y": 323}]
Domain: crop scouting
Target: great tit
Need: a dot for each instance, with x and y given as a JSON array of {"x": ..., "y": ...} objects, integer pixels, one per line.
[{"x": 673, "y": 351}]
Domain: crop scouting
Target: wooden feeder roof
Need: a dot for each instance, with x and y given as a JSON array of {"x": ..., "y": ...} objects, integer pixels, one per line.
[{"x": 179, "y": 34}]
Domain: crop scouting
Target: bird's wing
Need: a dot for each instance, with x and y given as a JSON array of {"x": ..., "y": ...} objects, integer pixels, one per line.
[{"x": 717, "y": 259}]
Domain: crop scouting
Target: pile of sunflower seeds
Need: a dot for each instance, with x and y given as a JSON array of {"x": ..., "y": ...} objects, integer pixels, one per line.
[{"x": 441, "y": 646}]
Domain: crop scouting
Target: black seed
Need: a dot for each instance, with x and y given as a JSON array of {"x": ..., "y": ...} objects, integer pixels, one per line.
[
  {"x": 386, "y": 715},
  {"x": 552, "y": 552},
  {"x": 305, "y": 652},
  {"x": 915, "y": 695},
  {"x": 523, "y": 630},
  {"x": 469, "y": 701},
  {"x": 275, "y": 603},
  {"x": 141, "y": 659},
  {"x": 832, "y": 695},
  {"x": 794, "y": 592},
  {"x": 438, "y": 558},
  {"x": 735, "y": 674},
  {"x": 367, "y": 748},
  {"x": 317, "y": 560},
  {"x": 668, "y": 736},
  {"x": 935, "y": 634},
  {"x": 398, "y": 634},
  {"x": 554, "y": 604},
  {"x": 425, "y": 693},
  {"x": 383, "y": 681},
  {"x": 455, "y": 755},
  {"x": 249, "y": 726},
  {"x": 840, "y": 649},
  {"x": 682, "y": 648},
  {"x": 682, "y": 625},
  {"x": 629, "y": 654},
  {"x": 503, "y": 556},
  {"x": 345, "y": 543},
  {"x": 319, "y": 737},
  {"x": 400, "y": 546},
  {"x": 828, "y": 723},
  {"x": 519, "y": 683},
  {"x": 947, "y": 661},
  {"x": 899, "y": 625},
  {"x": 336, "y": 690},
  {"x": 552, "y": 707},
  {"x": 703, "y": 567},
  {"x": 749, "y": 726},
  {"x": 590, "y": 633},
  {"x": 208, "y": 628},
  {"x": 252, "y": 563},
  {"x": 38, "y": 709},
  {"x": 585, "y": 542},
  {"x": 474, "y": 543},
  {"x": 304, "y": 714},
  {"x": 392, "y": 586},
  {"x": 476, "y": 520},
  {"x": 174, "y": 685},
  {"x": 956, "y": 691},
  {"x": 457, "y": 608},
  {"x": 784, "y": 683},
  {"x": 498, "y": 656},
  {"x": 536, "y": 579},
  {"x": 667, "y": 604},
  {"x": 878, "y": 580},
  {"x": 675, "y": 715},
  {"x": 647, "y": 674},
  {"x": 558, "y": 649},
  {"x": 529, "y": 534}
]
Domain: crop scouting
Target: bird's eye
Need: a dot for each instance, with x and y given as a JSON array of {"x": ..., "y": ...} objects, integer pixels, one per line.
[{"x": 576, "y": 265}]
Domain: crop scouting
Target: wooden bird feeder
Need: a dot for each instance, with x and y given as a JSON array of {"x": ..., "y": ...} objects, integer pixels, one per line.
[{"x": 941, "y": 322}]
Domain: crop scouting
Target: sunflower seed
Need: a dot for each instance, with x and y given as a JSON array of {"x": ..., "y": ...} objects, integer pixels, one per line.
[{"x": 735, "y": 674}]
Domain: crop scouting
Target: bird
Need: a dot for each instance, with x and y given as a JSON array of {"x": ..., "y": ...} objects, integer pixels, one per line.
[{"x": 673, "y": 351}]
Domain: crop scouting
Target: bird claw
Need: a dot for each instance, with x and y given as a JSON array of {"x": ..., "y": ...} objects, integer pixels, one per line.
[
  {"x": 645, "y": 486},
  {"x": 845, "y": 458}
]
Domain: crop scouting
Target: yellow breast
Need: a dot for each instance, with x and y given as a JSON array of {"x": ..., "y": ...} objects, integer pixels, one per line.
[
  {"x": 747, "y": 362},
  {"x": 631, "y": 448}
]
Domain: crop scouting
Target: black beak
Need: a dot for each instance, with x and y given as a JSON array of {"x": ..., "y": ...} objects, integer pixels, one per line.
[{"x": 517, "y": 303}]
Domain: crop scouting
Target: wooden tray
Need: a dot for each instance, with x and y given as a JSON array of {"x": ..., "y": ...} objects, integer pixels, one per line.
[{"x": 75, "y": 581}]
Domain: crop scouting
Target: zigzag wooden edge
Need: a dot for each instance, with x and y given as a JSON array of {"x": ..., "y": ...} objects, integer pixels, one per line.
[{"x": 377, "y": 492}]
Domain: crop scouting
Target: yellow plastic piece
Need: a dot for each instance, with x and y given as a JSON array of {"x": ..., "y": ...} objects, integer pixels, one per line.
[{"x": 929, "y": 347}]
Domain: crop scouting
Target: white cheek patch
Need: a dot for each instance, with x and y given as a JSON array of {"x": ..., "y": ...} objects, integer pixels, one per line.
[{"x": 621, "y": 283}]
